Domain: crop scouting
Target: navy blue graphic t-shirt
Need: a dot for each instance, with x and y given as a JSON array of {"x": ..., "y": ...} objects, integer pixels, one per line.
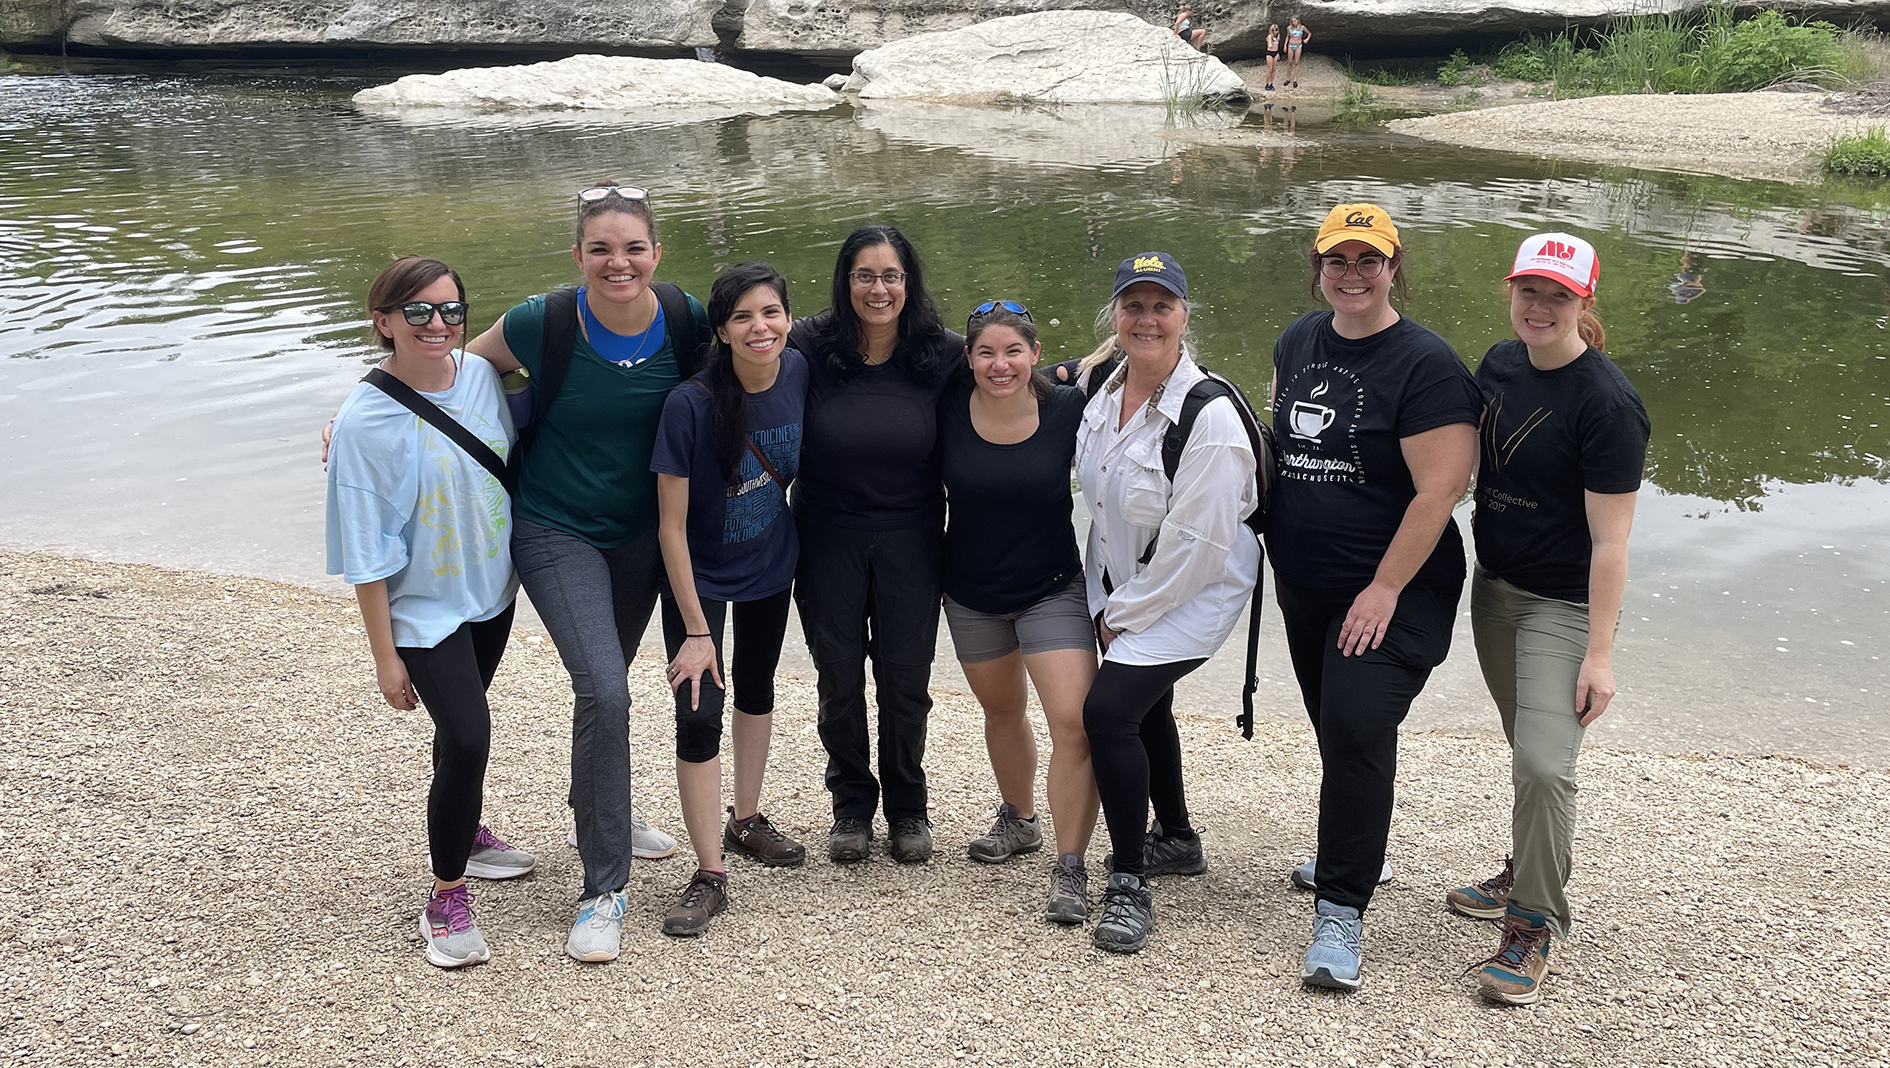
[
  {"x": 1342, "y": 409},
  {"x": 1549, "y": 437},
  {"x": 742, "y": 542}
]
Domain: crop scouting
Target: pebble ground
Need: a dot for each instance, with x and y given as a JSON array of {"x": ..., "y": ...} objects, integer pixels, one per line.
[{"x": 212, "y": 853}]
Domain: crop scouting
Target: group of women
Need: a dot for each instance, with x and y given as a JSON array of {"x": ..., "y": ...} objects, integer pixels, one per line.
[{"x": 934, "y": 470}]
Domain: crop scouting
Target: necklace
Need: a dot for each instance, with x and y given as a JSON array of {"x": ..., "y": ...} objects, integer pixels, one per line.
[{"x": 625, "y": 350}]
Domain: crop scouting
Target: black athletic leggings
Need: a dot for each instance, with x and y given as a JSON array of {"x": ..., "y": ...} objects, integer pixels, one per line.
[
  {"x": 1135, "y": 749},
  {"x": 451, "y": 679},
  {"x": 760, "y": 627}
]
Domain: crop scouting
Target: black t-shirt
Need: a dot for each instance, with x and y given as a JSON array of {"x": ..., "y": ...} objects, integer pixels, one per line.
[
  {"x": 1547, "y": 437},
  {"x": 1010, "y": 542},
  {"x": 1342, "y": 409},
  {"x": 869, "y": 450}
]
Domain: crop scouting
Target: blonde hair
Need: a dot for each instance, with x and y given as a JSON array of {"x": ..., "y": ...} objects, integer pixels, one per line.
[{"x": 1110, "y": 349}]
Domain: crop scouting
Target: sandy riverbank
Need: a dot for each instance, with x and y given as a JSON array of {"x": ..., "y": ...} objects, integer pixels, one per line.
[
  {"x": 1776, "y": 136},
  {"x": 212, "y": 824}
]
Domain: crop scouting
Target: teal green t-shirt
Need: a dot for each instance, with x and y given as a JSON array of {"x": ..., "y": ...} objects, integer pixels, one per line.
[{"x": 588, "y": 471}]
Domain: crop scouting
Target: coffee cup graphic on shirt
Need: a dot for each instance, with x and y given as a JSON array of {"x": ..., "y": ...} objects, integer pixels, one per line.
[{"x": 1309, "y": 420}]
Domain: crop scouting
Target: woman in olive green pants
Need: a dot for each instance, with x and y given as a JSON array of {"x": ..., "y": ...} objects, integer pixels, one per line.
[{"x": 1564, "y": 441}]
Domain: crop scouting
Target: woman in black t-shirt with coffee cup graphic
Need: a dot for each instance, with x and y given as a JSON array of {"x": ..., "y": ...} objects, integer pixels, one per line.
[
  {"x": 1564, "y": 442},
  {"x": 1376, "y": 418}
]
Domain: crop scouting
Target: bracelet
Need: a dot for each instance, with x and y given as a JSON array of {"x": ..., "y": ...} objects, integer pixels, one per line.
[{"x": 686, "y": 634}]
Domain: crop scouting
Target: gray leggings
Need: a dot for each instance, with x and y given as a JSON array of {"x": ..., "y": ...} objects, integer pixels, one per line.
[{"x": 596, "y": 604}]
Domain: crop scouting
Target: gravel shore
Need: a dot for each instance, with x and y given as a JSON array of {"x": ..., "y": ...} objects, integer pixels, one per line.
[
  {"x": 1742, "y": 135},
  {"x": 214, "y": 854}
]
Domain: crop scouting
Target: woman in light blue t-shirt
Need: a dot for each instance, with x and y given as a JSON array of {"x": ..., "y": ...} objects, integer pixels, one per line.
[{"x": 423, "y": 532}]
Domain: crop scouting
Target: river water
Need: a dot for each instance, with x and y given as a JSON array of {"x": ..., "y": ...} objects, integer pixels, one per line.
[{"x": 182, "y": 258}]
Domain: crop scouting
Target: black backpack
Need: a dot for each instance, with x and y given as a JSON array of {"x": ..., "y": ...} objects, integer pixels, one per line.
[
  {"x": 1265, "y": 452},
  {"x": 560, "y": 335}
]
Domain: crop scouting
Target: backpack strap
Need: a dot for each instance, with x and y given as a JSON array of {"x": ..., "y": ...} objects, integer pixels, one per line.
[
  {"x": 467, "y": 441},
  {"x": 679, "y": 321},
  {"x": 556, "y": 339}
]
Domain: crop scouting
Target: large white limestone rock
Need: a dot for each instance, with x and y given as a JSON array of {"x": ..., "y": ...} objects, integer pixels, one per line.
[
  {"x": 602, "y": 83},
  {"x": 1051, "y": 57}
]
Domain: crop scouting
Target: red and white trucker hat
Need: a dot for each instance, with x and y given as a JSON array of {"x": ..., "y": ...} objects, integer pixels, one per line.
[{"x": 1564, "y": 257}]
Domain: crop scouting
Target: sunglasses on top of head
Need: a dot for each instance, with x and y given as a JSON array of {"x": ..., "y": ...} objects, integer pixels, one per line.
[
  {"x": 420, "y": 312},
  {"x": 990, "y": 306},
  {"x": 598, "y": 192}
]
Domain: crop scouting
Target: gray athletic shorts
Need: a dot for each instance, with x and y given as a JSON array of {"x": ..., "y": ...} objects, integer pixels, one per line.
[{"x": 1059, "y": 621}]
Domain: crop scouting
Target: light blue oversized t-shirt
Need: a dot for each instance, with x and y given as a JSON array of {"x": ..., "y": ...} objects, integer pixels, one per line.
[{"x": 407, "y": 505}]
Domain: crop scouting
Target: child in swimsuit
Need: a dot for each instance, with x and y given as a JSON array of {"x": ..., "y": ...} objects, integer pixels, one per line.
[{"x": 1273, "y": 53}]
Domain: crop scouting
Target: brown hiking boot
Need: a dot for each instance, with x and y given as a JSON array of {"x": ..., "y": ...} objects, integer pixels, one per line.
[
  {"x": 1485, "y": 900},
  {"x": 757, "y": 840},
  {"x": 1514, "y": 975},
  {"x": 706, "y": 895}
]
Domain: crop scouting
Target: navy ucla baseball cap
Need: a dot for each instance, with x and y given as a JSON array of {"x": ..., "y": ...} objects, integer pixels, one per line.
[{"x": 1157, "y": 267}]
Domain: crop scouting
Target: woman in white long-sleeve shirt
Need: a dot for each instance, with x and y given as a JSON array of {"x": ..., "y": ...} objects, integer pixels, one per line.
[{"x": 1169, "y": 569}]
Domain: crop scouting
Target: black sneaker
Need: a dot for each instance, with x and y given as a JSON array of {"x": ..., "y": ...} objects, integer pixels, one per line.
[
  {"x": 848, "y": 842},
  {"x": 1167, "y": 854},
  {"x": 1128, "y": 915},
  {"x": 912, "y": 840}
]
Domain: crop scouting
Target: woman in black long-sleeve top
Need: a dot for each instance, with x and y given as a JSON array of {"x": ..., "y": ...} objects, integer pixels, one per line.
[{"x": 871, "y": 507}]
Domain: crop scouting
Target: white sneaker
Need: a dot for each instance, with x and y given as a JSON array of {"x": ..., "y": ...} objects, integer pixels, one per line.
[
  {"x": 646, "y": 842},
  {"x": 1302, "y": 875},
  {"x": 598, "y": 932},
  {"x": 494, "y": 858}
]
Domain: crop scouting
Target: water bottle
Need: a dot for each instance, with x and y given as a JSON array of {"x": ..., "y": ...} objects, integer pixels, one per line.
[{"x": 518, "y": 396}]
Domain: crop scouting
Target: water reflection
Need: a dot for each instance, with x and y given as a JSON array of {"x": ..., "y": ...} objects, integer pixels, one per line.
[{"x": 181, "y": 261}]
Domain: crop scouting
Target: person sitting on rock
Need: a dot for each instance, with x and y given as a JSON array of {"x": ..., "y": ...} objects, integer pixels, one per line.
[{"x": 1186, "y": 29}]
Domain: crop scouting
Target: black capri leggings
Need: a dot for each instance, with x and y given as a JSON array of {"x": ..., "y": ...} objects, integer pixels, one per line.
[
  {"x": 759, "y": 629},
  {"x": 451, "y": 679},
  {"x": 1135, "y": 749}
]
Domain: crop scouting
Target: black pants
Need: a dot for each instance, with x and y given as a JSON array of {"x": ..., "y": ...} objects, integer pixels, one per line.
[
  {"x": 867, "y": 593},
  {"x": 1356, "y": 704},
  {"x": 1135, "y": 748},
  {"x": 451, "y": 679},
  {"x": 760, "y": 627}
]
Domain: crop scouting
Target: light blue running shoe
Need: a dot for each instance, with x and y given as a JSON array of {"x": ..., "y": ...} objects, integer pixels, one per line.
[
  {"x": 1302, "y": 876},
  {"x": 598, "y": 932},
  {"x": 446, "y": 924},
  {"x": 1333, "y": 958}
]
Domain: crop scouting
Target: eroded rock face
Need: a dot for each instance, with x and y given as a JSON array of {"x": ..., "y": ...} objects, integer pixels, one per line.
[
  {"x": 476, "y": 23},
  {"x": 1052, "y": 57},
  {"x": 602, "y": 83}
]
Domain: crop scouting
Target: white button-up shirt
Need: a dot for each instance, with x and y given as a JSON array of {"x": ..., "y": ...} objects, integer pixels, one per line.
[{"x": 1184, "y": 602}]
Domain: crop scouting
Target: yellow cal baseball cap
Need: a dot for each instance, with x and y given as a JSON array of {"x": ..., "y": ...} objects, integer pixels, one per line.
[{"x": 1358, "y": 222}]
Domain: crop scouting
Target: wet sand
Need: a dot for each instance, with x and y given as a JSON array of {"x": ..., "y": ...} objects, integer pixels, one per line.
[{"x": 216, "y": 856}]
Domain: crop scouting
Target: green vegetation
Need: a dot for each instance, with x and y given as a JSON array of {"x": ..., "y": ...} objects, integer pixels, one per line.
[
  {"x": 1709, "y": 51},
  {"x": 1457, "y": 71},
  {"x": 1864, "y": 155}
]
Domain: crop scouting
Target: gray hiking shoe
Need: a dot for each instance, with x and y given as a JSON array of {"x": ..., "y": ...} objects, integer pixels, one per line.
[
  {"x": 850, "y": 840},
  {"x": 598, "y": 932},
  {"x": 493, "y": 858},
  {"x": 1302, "y": 876},
  {"x": 1167, "y": 854},
  {"x": 452, "y": 938},
  {"x": 1128, "y": 915},
  {"x": 1010, "y": 835},
  {"x": 1069, "y": 891}
]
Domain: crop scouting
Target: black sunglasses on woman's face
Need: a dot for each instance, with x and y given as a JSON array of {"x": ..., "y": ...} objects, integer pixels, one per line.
[{"x": 420, "y": 312}]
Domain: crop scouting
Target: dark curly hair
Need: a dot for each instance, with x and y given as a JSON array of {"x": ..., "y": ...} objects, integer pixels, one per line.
[{"x": 836, "y": 331}]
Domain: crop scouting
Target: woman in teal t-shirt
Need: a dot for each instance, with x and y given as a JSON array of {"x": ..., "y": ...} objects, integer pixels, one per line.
[{"x": 585, "y": 519}]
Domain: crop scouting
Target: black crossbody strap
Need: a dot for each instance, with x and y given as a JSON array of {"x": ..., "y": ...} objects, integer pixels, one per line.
[{"x": 445, "y": 424}]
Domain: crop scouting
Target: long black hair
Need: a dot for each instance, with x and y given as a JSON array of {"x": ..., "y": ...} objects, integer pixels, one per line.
[
  {"x": 728, "y": 401},
  {"x": 837, "y": 330}
]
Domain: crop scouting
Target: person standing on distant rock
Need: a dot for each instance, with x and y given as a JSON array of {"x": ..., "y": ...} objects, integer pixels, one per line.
[
  {"x": 1187, "y": 29},
  {"x": 1273, "y": 53},
  {"x": 1377, "y": 425},
  {"x": 870, "y": 508},
  {"x": 1564, "y": 445},
  {"x": 422, "y": 528},
  {"x": 1297, "y": 38}
]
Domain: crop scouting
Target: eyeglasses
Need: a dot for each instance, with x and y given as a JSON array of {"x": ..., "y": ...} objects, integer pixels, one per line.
[
  {"x": 864, "y": 279},
  {"x": 990, "y": 306},
  {"x": 1368, "y": 266},
  {"x": 420, "y": 312},
  {"x": 598, "y": 192}
]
